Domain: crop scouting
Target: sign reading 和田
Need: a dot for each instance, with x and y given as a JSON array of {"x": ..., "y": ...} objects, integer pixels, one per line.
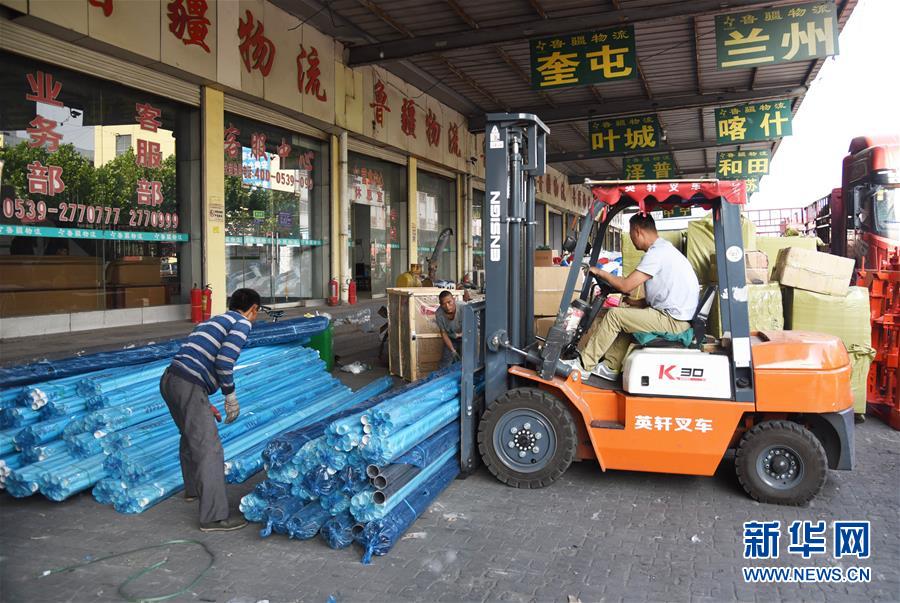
[
  {"x": 742, "y": 165},
  {"x": 780, "y": 34},
  {"x": 624, "y": 135},
  {"x": 759, "y": 121},
  {"x": 579, "y": 59}
]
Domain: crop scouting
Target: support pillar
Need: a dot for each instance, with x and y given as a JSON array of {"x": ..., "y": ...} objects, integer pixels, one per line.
[
  {"x": 412, "y": 212},
  {"x": 212, "y": 115}
]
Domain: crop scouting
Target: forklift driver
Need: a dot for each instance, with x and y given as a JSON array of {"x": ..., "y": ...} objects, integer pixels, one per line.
[{"x": 671, "y": 299}]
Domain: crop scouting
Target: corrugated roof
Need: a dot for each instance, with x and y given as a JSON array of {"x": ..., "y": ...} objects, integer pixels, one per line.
[{"x": 677, "y": 56}]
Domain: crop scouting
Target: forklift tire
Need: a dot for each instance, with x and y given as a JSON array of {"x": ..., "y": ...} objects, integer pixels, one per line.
[
  {"x": 527, "y": 438},
  {"x": 781, "y": 462}
]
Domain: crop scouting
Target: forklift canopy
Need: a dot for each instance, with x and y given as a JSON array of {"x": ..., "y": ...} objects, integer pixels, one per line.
[{"x": 671, "y": 193}]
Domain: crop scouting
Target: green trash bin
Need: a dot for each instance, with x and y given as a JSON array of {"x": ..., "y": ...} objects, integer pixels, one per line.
[{"x": 324, "y": 343}]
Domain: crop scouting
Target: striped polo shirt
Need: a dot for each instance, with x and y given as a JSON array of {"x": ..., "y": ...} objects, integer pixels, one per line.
[{"x": 208, "y": 356}]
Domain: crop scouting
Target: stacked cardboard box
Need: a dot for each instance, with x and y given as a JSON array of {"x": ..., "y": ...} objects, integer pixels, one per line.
[
  {"x": 701, "y": 248},
  {"x": 772, "y": 245}
]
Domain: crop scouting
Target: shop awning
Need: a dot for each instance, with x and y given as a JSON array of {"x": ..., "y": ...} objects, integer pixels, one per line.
[{"x": 666, "y": 194}]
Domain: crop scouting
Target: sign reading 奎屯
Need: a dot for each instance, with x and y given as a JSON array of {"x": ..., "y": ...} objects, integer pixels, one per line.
[
  {"x": 759, "y": 121},
  {"x": 648, "y": 167},
  {"x": 622, "y": 135},
  {"x": 742, "y": 165},
  {"x": 780, "y": 34},
  {"x": 579, "y": 59}
]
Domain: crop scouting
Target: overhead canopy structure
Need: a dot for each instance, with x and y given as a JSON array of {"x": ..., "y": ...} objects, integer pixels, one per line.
[
  {"x": 669, "y": 194},
  {"x": 475, "y": 57}
]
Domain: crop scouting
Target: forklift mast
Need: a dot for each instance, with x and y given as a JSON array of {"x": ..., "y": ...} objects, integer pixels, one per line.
[{"x": 515, "y": 154}]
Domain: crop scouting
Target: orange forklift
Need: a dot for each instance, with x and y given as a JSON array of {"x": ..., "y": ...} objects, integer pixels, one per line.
[{"x": 781, "y": 400}]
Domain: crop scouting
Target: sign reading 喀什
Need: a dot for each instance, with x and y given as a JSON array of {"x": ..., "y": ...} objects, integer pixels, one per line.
[
  {"x": 579, "y": 59},
  {"x": 624, "y": 135},
  {"x": 759, "y": 121},
  {"x": 742, "y": 165},
  {"x": 648, "y": 167},
  {"x": 780, "y": 34}
]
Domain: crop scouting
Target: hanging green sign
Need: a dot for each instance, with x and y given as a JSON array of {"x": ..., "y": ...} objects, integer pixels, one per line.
[
  {"x": 742, "y": 165},
  {"x": 752, "y": 185},
  {"x": 579, "y": 59},
  {"x": 625, "y": 135},
  {"x": 759, "y": 121},
  {"x": 780, "y": 34},
  {"x": 648, "y": 167}
]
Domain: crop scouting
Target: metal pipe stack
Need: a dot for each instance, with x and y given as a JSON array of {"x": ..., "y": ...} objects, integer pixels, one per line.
[
  {"x": 366, "y": 475},
  {"x": 111, "y": 430}
]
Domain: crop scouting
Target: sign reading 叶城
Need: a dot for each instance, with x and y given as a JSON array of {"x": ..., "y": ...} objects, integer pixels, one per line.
[
  {"x": 648, "y": 167},
  {"x": 579, "y": 59},
  {"x": 780, "y": 34},
  {"x": 742, "y": 165},
  {"x": 759, "y": 121},
  {"x": 624, "y": 135}
]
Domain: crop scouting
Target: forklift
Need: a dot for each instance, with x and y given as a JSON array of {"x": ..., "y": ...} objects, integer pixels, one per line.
[{"x": 780, "y": 400}]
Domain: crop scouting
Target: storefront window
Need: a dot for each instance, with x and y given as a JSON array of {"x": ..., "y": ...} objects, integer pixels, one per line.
[
  {"x": 556, "y": 231},
  {"x": 377, "y": 222},
  {"x": 477, "y": 229},
  {"x": 276, "y": 211},
  {"x": 437, "y": 211},
  {"x": 540, "y": 230},
  {"x": 95, "y": 182}
]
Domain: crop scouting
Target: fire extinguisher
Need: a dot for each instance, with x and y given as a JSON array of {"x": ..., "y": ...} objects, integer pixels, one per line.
[
  {"x": 207, "y": 302},
  {"x": 351, "y": 292},
  {"x": 196, "y": 304},
  {"x": 333, "y": 292}
]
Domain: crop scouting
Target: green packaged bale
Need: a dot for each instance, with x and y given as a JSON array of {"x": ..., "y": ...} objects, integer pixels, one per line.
[
  {"x": 631, "y": 256},
  {"x": 844, "y": 317},
  {"x": 701, "y": 246},
  {"x": 772, "y": 245},
  {"x": 764, "y": 309}
]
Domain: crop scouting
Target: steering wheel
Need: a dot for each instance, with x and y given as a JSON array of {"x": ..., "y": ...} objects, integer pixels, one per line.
[{"x": 605, "y": 288}]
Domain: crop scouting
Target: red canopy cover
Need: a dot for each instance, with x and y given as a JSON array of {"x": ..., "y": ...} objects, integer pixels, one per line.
[{"x": 649, "y": 195}]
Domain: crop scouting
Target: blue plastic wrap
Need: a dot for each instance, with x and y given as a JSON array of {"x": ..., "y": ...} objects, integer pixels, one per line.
[
  {"x": 424, "y": 454},
  {"x": 336, "y": 532},
  {"x": 380, "y": 450},
  {"x": 277, "y": 513},
  {"x": 378, "y": 537},
  {"x": 286, "y": 331},
  {"x": 307, "y": 522}
]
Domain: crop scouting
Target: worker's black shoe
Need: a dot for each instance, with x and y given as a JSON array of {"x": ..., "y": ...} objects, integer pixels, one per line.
[
  {"x": 190, "y": 498},
  {"x": 224, "y": 525}
]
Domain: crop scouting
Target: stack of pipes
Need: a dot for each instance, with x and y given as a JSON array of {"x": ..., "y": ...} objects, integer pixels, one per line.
[
  {"x": 366, "y": 475},
  {"x": 110, "y": 429}
]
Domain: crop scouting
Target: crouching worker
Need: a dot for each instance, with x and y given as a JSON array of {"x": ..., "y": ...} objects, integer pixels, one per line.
[
  {"x": 672, "y": 292},
  {"x": 448, "y": 321},
  {"x": 204, "y": 364}
]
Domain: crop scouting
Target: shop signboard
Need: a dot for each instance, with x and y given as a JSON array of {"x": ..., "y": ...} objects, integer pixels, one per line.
[
  {"x": 622, "y": 135},
  {"x": 584, "y": 58},
  {"x": 648, "y": 167},
  {"x": 778, "y": 34},
  {"x": 741, "y": 165},
  {"x": 758, "y": 121}
]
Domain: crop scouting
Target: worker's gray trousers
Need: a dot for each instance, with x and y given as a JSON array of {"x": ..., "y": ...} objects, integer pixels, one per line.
[{"x": 201, "y": 454}]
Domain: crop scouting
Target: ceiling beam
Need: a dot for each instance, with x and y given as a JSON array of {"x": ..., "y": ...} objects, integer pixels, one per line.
[
  {"x": 384, "y": 16},
  {"x": 380, "y": 52},
  {"x": 639, "y": 106},
  {"x": 463, "y": 14},
  {"x": 694, "y": 145},
  {"x": 538, "y": 8}
]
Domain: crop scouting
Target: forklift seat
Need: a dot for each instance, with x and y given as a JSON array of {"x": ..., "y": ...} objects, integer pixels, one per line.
[{"x": 698, "y": 323}]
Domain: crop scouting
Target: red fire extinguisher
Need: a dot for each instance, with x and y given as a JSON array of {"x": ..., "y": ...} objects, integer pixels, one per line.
[
  {"x": 196, "y": 304},
  {"x": 351, "y": 292},
  {"x": 333, "y": 292},
  {"x": 206, "y": 302}
]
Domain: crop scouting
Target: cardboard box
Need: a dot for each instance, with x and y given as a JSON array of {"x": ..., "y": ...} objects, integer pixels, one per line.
[
  {"x": 814, "y": 271},
  {"x": 756, "y": 268},
  {"x": 700, "y": 247},
  {"x": 144, "y": 271},
  {"x": 543, "y": 257},
  {"x": 35, "y": 303},
  {"x": 49, "y": 272},
  {"x": 549, "y": 284},
  {"x": 136, "y": 297},
  {"x": 772, "y": 245},
  {"x": 764, "y": 310}
]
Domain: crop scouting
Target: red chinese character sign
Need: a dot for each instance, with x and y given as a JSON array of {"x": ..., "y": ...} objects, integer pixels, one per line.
[
  {"x": 149, "y": 192},
  {"x": 308, "y": 76},
  {"x": 408, "y": 117},
  {"x": 105, "y": 5},
  {"x": 232, "y": 144},
  {"x": 148, "y": 154},
  {"x": 187, "y": 20},
  {"x": 453, "y": 140},
  {"x": 380, "y": 103},
  {"x": 45, "y": 180},
  {"x": 257, "y": 51},
  {"x": 43, "y": 132},
  {"x": 147, "y": 116},
  {"x": 43, "y": 89},
  {"x": 432, "y": 129}
]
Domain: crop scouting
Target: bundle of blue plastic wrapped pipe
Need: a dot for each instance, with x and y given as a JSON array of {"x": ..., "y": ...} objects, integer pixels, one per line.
[
  {"x": 110, "y": 429},
  {"x": 366, "y": 474}
]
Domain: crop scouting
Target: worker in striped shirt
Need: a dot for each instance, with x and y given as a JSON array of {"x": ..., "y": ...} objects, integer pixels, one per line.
[{"x": 204, "y": 364}]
